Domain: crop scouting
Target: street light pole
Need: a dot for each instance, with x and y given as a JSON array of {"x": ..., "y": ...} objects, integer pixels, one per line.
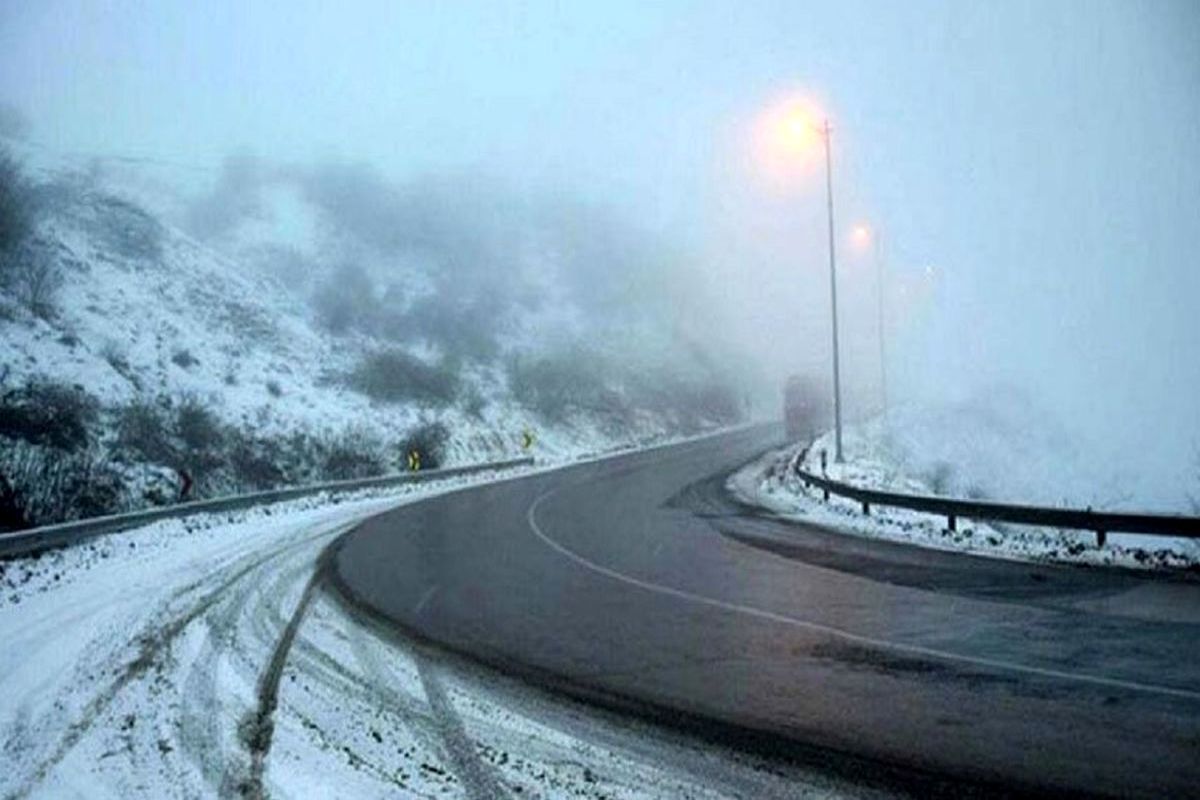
[{"x": 837, "y": 381}]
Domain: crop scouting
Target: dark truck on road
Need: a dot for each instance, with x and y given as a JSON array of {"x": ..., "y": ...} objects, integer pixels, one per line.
[{"x": 805, "y": 407}]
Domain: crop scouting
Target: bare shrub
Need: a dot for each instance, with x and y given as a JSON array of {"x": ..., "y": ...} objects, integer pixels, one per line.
[
  {"x": 184, "y": 358},
  {"x": 201, "y": 433},
  {"x": 556, "y": 386},
  {"x": 45, "y": 412},
  {"x": 27, "y": 270},
  {"x": 473, "y": 402},
  {"x": 144, "y": 431},
  {"x": 354, "y": 454},
  {"x": 939, "y": 477},
  {"x": 428, "y": 441},
  {"x": 346, "y": 301},
  {"x": 256, "y": 463},
  {"x": 34, "y": 279},
  {"x": 16, "y": 205},
  {"x": 45, "y": 485},
  {"x": 394, "y": 376},
  {"x": 128, "y": 231}
]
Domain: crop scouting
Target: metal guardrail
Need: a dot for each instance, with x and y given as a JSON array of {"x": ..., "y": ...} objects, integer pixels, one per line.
[
  {"x": 1101, "y": 522},
  {"x": 30, "y": 542}
]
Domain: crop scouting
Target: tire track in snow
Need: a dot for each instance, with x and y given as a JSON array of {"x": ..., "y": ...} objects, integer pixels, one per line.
[
  {"x": 477, "y": 779},
  {"x": 152, "y": 641},
  {"x": 259, "y": 728}
]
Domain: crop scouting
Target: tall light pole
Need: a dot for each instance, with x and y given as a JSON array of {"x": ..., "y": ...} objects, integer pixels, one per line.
[
  {"x": 787, "y": 134},
  {"x": 837, "y": 378}
]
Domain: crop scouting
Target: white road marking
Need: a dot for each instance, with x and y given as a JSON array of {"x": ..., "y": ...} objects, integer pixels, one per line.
[
  {"x": 425, "y": 598},
  {"x": 838, "y": 633}
]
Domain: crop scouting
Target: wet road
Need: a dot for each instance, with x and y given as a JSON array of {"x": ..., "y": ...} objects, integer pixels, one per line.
[{"x": 637, "y": 582}]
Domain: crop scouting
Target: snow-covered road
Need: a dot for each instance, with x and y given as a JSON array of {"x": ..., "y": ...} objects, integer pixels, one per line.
[{"x": 201, "y": 658}]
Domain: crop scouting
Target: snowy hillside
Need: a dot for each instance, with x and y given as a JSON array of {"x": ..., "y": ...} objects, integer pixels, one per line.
[
  {"x": 1002, "y": 445},
  {"x": 160, "y": 354},
  {"x": 999, "y": 447}
]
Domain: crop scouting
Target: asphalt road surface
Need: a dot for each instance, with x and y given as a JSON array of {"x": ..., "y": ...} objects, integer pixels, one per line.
[{"x": 638, "y": 583}]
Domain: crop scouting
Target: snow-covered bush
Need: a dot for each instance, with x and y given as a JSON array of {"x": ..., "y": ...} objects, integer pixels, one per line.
[
  {"x": 184, "y": 359},
  {"x": 28, "y": 271},
  {"x": 346, "y": 301},
  {"x": 144, "y": 433},
  {"x": 560, "y": 384},
  {"x": 123, "y": 229},
  {"x": 16, "y": 209},
  {"x": 258, "y": 463},
  {"x": 50, "y": 413},
  {"x": 354, "y": 454},
  {"x": 43, "y": 485},
  {"x": 394, "y": 376},
  {"x": 428, "y": 441}
]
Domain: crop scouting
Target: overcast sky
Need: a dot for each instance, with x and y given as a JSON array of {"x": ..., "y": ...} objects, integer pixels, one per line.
[{"x": 1043, "y": 157}]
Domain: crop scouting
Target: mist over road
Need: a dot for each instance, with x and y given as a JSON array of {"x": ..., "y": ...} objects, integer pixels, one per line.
[{"x": 636, "y": 582}]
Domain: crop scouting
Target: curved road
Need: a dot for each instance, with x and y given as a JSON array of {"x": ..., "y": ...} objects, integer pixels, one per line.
[{"x": 636, "y": 582}]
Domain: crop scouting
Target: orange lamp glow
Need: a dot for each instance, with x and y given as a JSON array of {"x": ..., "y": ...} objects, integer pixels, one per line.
[{"x": 787, "y": 141}]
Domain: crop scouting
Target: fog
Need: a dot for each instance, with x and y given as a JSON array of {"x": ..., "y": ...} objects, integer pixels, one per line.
[{"x": 1032, "y": 170}]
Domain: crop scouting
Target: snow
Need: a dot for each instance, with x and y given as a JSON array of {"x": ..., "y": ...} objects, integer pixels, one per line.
[
  {"x": 973, "y": 452},
  {"x": 132, "y": 666},
  {"x": 191, "y": 320}
]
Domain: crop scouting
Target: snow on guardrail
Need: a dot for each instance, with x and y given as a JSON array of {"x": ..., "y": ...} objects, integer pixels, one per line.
[{"x": 18, "y": 544}]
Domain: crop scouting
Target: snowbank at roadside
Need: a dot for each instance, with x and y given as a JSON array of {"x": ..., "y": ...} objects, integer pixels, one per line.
[{"x": 880, "y": 457}]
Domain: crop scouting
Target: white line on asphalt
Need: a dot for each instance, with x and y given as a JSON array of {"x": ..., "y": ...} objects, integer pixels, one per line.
[
  {"x": 424, "y": 599},
  {"x": 838, "y": 633}
]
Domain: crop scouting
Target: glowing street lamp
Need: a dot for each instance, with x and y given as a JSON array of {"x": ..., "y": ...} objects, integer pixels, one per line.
[
  {"x": 864, "y": 236},
  {"x": 799, "y": 126}
]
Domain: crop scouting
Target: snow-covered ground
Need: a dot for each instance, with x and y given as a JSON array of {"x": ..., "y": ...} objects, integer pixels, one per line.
[
  {"x": 133, "y": 667},
  {"x": 973, "y": 452},
  {"x": 147, "y": 311}
]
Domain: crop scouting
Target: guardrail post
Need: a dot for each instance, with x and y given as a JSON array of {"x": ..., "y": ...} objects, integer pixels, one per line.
[
  {"x": 1101, "y": 538},
  {"x": 825, "y": 489},
  {"x": 952, "y": 522},
  {"x": 867, "y": 508}
]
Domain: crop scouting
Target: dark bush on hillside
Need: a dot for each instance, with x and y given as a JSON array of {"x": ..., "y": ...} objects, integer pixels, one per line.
[
  {"x": 352, "y": 455},
  {"x": 394, "y": 376},
  {"x": 184, "y": 437},
  {"x": 48, "y": 413},
  {"x": 202, "y": 435},
  {"x": 715, "y": 402},
  {"x": 346, "y": 301},
  {"x": 45, "y": 485},
  {"x": 33, "y": 278},
  {"x": 461, "y": 330},
  {"x": 27, "y": 271},
  {"x": 557, "y": 386},
  {"x": 144, "y": 431},
  {"x": 16, "y": 206},
  {"x": 128, "y": 231},
  {"x": 473, "y": 402},
  {"x": 428, "y": 441},
  {"x": 184, "y": 359},
  {"x": 257, "y": 464},
  {"x": 692, "y": 402}
]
